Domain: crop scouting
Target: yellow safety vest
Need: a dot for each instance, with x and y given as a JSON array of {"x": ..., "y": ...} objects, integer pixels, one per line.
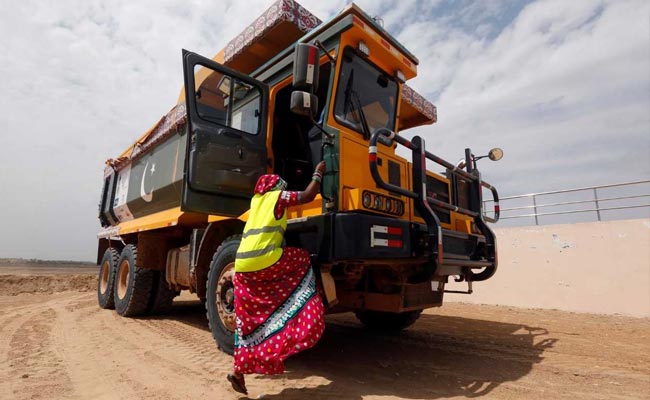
[{"x": 261, "y": 244}]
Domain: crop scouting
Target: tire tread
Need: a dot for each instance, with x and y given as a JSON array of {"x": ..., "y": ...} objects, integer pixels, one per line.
[
  {"x": 138, "y": 300},
  {"x": 162, "y": 297},
  {"x": 226, "y": 348},
  {"x": 109, "y": 302}
]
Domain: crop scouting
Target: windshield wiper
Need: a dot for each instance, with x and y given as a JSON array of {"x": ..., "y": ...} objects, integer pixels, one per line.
[
  {"x": 353, "y": 103},
  {"x": 362, "y": 115},
  {"x": 348, "y": 94}
]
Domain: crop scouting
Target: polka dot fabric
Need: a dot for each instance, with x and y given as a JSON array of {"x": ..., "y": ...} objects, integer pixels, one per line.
[
  {"x": 286, "y": 200},
  {"x": 282, "y": 294},
  {"x": 268, "y": 182}
]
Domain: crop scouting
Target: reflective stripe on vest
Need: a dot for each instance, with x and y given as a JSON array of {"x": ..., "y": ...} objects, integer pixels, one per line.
[
  {"x": 266, "y": 229},
  {"x": 261, "y": 244}
]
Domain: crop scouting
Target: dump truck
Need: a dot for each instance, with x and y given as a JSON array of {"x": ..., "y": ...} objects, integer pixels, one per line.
[{"x": 386, "y": 234}]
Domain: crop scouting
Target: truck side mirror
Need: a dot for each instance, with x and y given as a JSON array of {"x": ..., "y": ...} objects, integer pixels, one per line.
[
  {"x": 306, "y": 65},
  {"x": 495, "y": 154},
  {"x": 303, "y": 103}
]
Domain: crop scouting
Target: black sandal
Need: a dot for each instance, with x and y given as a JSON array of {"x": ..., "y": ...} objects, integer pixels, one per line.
[{"x": 237, "y": 384}]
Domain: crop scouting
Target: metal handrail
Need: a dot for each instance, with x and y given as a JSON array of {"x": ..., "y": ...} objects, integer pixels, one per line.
[
  {"x": 496, "y": 213},
  {"x": 575, "y": 211},
  {"x": 424, "y": 203},
  {"x": 574, "y": 202},
  {"x": 374, "y": 171},
  {"x": 595, "y": 200},
  {"x": 574, "y": 190}
]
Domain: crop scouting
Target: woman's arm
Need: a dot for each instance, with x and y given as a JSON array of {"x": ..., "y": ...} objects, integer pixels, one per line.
[
  {"x": 314, "y": 186},
  {"x": 288, "y": 199}
]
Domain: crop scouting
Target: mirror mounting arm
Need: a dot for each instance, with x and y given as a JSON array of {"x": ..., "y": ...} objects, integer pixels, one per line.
[
  {"x": 318, "y": 44},
  {"x": 495, "y": 155},
  {"x": 317, "y": 125}
]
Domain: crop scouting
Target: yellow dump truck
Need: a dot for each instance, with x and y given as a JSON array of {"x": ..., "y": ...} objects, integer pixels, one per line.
[{"x": 386, "y": 234}]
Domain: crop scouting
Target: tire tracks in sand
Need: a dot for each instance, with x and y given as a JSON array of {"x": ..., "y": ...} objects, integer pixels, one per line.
[
  {"x": 33, "y": 359},
  {"x": 136, "y": 361}
]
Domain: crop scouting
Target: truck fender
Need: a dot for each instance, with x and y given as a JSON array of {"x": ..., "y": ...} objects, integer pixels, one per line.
[{"x": 214, "y": 234}]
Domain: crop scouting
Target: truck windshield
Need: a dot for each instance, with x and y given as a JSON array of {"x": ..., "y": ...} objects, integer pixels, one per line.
[{"x": 361, "y": 83}]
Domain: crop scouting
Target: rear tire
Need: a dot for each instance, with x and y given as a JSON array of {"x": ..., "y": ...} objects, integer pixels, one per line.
[
  {"x": 220, "y": 303},
  {"x": 387, "y": 321},
  {"x": 162, "y": 296},
  {"x": 132, "y": 284},
  {"x": 106, "y": 278}
]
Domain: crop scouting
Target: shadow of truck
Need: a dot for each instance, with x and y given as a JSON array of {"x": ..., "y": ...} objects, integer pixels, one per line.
[{"x": 439, "y": 357}]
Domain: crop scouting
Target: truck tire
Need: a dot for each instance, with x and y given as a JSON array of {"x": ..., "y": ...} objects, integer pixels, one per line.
[
  {"x": 162, "y": 296},
  {"x": 132, "y": 284},
  {"x": 106, "y": 278},
  {"x": 220, "y": 294},
  {"x": 387, "y": 321}
]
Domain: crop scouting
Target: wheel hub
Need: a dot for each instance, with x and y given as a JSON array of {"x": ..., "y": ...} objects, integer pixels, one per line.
[
  {"x": 123, "y": 279},
  {"x": 103, "y": 281},
  {"x": 225, "y": 297}
]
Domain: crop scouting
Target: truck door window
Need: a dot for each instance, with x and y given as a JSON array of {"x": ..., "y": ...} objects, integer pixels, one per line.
[
  {"x": 374, "y": 90},
  {"x": 227, "y": 101}
]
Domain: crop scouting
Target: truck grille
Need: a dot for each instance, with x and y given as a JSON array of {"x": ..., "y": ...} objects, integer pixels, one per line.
[
  {"x": 438, "y": 190},
  {"x": 393, "y": 176},
  {"x": 462, "y": 193},
  {"x": 393, "y": 173}
]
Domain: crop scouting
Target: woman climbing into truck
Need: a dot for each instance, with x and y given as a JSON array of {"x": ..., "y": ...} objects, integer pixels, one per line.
[{"x": 278, "y": 309}]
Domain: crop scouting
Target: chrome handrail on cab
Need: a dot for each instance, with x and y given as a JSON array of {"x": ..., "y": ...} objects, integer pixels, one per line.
[{"x": 423, "y": 202}]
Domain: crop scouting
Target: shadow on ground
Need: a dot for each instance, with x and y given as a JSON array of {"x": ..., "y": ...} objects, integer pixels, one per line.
[{"x": 439, "y": 357}]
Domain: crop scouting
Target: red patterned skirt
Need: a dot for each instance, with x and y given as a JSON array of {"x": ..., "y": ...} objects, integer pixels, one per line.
[{"x": 279, "y": 313}]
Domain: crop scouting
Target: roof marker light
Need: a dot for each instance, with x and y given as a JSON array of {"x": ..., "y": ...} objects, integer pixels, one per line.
[
  {"x": 400, "y": 76},
  {"x": 363, "y": 47}
]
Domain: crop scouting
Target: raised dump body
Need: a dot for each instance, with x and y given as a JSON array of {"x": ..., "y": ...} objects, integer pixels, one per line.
[{"x": 385, "y": 234}]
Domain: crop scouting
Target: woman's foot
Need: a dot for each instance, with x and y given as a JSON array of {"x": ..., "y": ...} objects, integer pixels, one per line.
[{"x": 238, "y": 382}]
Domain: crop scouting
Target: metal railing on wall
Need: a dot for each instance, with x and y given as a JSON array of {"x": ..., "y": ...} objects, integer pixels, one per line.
[{"x": 597, "y": 203}]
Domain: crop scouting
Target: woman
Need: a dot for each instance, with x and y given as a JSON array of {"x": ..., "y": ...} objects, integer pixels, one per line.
[{"x": 278, "y": 309}]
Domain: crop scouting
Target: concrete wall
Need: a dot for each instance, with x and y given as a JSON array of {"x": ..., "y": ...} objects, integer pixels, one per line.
[{"x": 599, "y": 267}]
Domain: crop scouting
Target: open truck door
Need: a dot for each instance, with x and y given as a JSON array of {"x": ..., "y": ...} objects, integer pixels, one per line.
[{"x": 226, "y": 144}]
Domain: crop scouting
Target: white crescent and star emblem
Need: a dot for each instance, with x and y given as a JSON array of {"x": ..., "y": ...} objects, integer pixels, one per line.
[{"x": 147, "y": 196}]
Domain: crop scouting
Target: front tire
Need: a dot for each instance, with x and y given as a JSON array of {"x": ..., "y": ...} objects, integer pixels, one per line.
[
  {"x": 220, "y": 294},
  {"x": 132, "y": 284},
  {"x": 106, "y": 278},
  {"x": 387, "y": 321}
]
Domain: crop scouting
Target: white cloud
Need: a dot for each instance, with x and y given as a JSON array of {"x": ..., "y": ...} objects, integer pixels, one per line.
[{"x": 564, "y": 90}]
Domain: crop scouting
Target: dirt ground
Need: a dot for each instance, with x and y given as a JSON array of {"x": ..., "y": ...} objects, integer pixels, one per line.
[{"x": 62, "y": 345}]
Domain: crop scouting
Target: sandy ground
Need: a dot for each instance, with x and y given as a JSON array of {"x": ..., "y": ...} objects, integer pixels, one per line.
[
  {"x": 61, "y": 345},
  {"x": 25, "y": 268}
]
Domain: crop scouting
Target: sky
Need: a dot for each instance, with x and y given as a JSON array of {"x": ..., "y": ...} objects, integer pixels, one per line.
[{"x": 562, "y": 86}]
